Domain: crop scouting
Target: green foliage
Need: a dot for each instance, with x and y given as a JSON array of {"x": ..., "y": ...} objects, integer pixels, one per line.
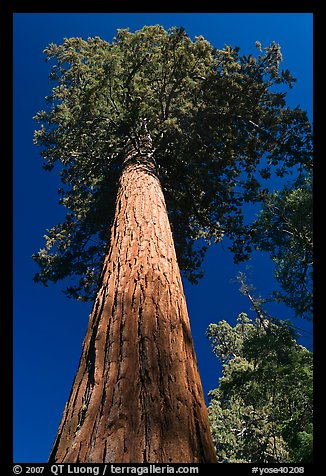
[
  {"x": 262, "y": 409},
  {"x": 284, "y": 228},
  {"x": 212, "y": 115}
]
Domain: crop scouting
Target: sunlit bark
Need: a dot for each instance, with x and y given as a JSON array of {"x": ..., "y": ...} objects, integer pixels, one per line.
[{"x": 137, "y": 395}]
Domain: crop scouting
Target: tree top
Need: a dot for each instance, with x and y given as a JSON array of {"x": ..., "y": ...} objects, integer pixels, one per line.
[{"x": 219, "y": 126}]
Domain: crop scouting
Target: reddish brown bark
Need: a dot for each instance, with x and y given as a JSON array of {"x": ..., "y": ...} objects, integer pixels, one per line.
[{"x": 137, "y": 396}]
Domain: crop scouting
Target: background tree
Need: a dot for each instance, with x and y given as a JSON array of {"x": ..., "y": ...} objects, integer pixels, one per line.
[
  {"x": 261, "y": 411},
  {"x": 284, "y": 229},
  {"x": 152, "y": 112}
]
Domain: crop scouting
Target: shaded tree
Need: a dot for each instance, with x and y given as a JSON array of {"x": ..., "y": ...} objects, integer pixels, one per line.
[
  {"x": 261, "y": 411},
  {"x": 152, "y": 131},
  {"x": 284, "y": 228}
]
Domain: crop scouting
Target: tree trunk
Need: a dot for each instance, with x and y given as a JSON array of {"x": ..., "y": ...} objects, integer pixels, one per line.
[{"x": 137, "y": 395}]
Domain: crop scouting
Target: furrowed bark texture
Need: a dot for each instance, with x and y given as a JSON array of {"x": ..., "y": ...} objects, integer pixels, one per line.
[{"x": 137, "y": 396}]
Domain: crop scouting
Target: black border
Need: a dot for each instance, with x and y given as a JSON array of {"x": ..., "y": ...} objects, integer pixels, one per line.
[{"x": 6, "y": 228}]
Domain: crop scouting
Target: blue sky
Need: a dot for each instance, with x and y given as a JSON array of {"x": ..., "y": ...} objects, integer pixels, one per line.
[{"x": 49, "y": 328}]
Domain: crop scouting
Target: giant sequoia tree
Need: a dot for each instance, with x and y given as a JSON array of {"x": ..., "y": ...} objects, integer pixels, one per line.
[{"x": 158, "y": 140}]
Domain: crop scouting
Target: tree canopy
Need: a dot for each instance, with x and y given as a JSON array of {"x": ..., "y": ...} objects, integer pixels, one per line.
[{"x": 219, "y": 125}]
